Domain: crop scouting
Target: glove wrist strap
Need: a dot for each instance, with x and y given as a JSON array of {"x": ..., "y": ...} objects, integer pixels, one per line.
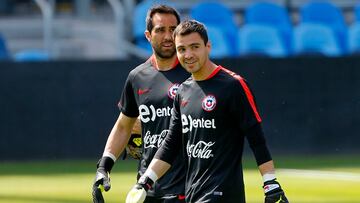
[
  {"x": 145, "y": 182},
  {"x": 108, "y": 154},
  {"x": 106, "y": 162}
]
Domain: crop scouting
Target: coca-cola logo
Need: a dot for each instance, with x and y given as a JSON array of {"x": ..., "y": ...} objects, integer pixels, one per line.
[
  {"x": 155, "y": 140},
  {"x": 200, "y": 150}
]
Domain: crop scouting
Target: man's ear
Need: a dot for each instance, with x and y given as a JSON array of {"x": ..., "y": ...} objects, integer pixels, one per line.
[
  {"x": 147, "y": 35},
  {"x": 208, "y": 46}
]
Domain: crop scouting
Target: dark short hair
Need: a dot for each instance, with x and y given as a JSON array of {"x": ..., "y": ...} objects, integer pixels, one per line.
[
  {"x": 190, "y": 26},
  {"x": 160, "y": 9}
]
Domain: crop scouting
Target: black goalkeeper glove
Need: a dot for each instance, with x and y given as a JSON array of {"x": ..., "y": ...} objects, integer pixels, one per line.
[
  {"x": 138, "y": 193},
  {"x": 274, "y": 193},
  {"x": 102, "y": 179}
]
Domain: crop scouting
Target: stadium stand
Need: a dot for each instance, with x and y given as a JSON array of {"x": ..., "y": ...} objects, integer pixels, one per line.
[
  {"x": 217, "y": 38},
  {"x": 357, "y": 12},
  {"x": 139, "y": 24},
  {"x": 4, "y": 54},
  {"x": 326, "y": 13},
  {"x": 354, "y": 39},
  {"x": 76, "y": 36},
  {"x": 271, "y": 14},
  {"x": 261, "y": 40},
  {"x": 216, "y": 14},
  {"x": 31, "y": 55},
  {"x": 315, "y": 39}
]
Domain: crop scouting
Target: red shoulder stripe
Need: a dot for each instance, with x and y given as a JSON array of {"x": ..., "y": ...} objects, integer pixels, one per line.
[
  {"x": 214, "y": 72},
  {"x": 247, "y": 92}
]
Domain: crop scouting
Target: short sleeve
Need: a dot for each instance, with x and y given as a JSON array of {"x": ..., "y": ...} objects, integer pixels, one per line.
[{"x": 128, "y": 104}]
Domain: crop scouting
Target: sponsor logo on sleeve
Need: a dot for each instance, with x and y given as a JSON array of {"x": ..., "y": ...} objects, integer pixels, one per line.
[
  {"x": 143, "y": 91},
  {"x": 184, "y": 103}
]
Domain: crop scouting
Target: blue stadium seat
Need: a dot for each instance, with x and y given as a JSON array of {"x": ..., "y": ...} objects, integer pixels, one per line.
[
  {"x": 219, "y": 46},
  {"x": 315, "y": 39},
  {"x": 216, "y": 14},
  {"x": 324, "y": 12},
  {"x": 31, "y": 55},
  {"x": 354, "y": 39},
  {"x": 4, "y": 54},
  {"x": 357, "y": 12},
  {"x": 257, "y": 40},
  {"x": 271, "y": 14}
]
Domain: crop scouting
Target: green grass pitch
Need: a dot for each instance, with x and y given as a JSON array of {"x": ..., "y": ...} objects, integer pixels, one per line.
[{"x": 306, "y": 179}]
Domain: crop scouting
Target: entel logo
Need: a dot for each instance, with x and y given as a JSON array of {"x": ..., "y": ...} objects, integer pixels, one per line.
[
  {"x": 150, "y": 113},
  {"x": 188, "y": 123}
]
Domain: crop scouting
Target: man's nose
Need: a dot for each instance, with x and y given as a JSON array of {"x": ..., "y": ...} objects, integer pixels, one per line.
[
  {"x": 168, "y": 35},
  {"x": 188, "y": 54}
]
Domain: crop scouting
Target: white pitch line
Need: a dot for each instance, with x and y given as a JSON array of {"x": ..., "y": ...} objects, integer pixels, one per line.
[{"x": 318, "y": 174}]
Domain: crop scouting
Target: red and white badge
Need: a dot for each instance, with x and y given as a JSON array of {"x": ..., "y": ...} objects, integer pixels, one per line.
[
  {"x": 173, "y": 90},
  {"x": 209, "y": 103}
]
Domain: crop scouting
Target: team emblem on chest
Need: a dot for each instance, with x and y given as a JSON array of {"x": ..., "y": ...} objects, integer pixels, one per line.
[
  {"x": 173, "y": 90},
  {"x": 209, "y": 103}
]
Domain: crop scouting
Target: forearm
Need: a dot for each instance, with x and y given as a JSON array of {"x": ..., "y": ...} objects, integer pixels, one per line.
[
  {"x": 257, "y": 143},
  {"x": 267, "y": 168},
  {"x": 272, "y": 189},
  {"x": 137, "y": 127},
  {"x": 119, "y": 135},
  {"x": 159, "y": 167}
]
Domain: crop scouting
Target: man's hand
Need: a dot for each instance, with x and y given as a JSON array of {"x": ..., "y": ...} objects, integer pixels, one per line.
[
  {"x": 102, "y": 179},
  {"x": 138, "y": 193},
  {"x": 274, "y": 193}
]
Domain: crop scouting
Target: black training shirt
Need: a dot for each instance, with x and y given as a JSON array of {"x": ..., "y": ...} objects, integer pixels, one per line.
[
  {"x": 150, "y": 93},
  {"x": 209, "y": 121}
]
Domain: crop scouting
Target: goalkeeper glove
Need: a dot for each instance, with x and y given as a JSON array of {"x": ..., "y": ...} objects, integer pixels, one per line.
[
  {"x": 138, "y": 193},
  {"x": 102, "y": 179},
  {"x": 273, "y": 192}
]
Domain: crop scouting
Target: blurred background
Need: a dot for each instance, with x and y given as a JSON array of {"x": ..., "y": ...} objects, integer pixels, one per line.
[
  {"x": 113, "y": 29},
  {"x": 63, "y": 64}
]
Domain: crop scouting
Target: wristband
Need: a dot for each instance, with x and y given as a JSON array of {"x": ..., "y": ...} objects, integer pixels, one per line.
[
  {"x": 109, "y": 154},
  {"x": 151, "y": 174},
  {"x": 106, "y": 162},
  {"x": 268, "y": 177}
]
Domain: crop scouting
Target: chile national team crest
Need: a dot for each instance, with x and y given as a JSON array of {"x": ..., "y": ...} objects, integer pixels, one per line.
[
  {"x": 173, "y": 90},
  {"x": 209, "y": 103}
]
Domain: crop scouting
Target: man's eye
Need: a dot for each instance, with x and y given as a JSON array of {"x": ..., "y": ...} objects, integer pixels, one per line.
[{"x": 159, "y": 30}]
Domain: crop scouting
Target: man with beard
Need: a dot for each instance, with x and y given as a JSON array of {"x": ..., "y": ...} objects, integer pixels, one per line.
[{"x": 148, "y": 93}]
